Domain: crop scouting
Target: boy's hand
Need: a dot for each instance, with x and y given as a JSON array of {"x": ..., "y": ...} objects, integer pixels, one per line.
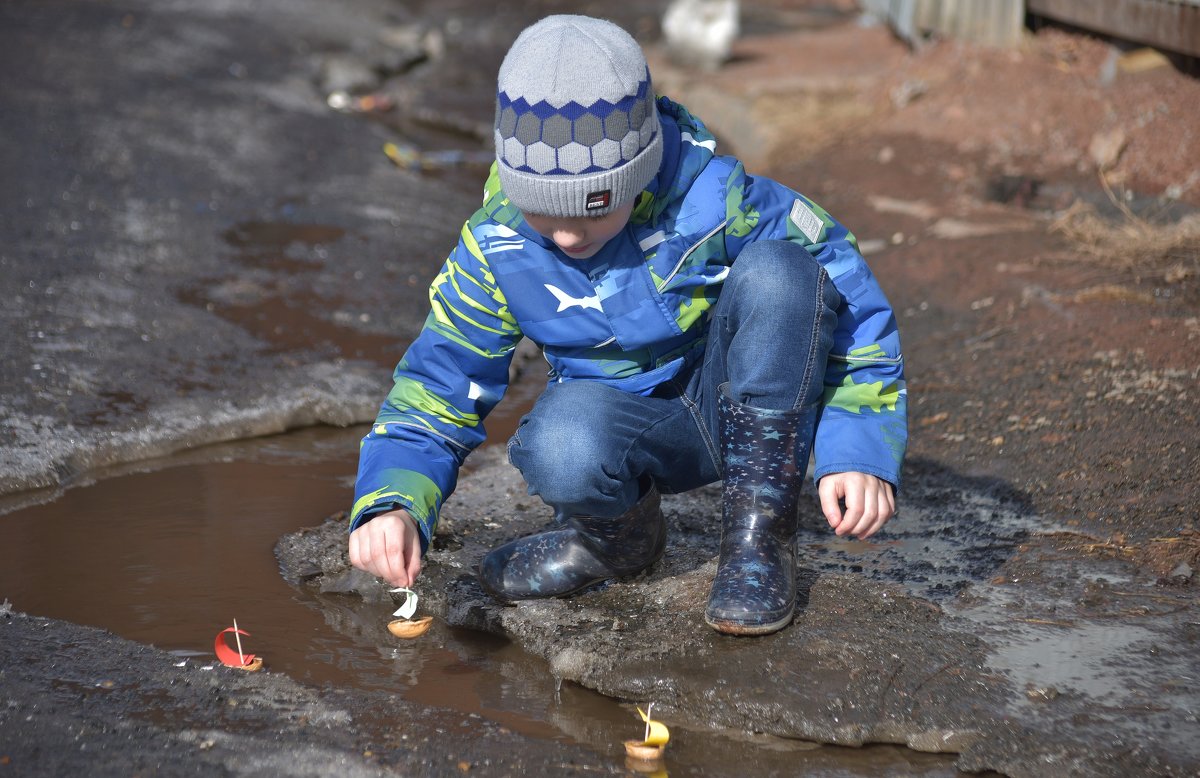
[
  {"x": 869, "y": 503},
  {"x": 388, "y": 546}
]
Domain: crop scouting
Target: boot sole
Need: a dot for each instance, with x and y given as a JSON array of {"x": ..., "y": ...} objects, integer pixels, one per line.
[{"x": 729, "y": 627}]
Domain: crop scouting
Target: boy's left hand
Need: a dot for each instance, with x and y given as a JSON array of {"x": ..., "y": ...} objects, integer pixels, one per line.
[{"x": 869, "y": 503}]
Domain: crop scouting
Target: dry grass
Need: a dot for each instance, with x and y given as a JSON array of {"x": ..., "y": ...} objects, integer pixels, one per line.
[
  {"x": 1134, "y": 243},
  {"x": 1160, "y": 556}
]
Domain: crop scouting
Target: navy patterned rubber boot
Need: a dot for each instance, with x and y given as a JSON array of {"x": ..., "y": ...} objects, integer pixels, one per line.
[
  {"x": 585, "y": 551},
  {"x": 766, "y": 454}
]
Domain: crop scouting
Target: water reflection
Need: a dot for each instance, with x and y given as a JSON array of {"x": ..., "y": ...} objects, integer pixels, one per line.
[{"x": 171, "y": 552}]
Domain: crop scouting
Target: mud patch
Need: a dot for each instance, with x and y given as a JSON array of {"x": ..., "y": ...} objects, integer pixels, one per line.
[{"x": 907, "y": 639}]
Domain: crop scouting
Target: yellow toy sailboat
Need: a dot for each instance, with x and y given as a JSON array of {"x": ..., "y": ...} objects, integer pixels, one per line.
[{"x": 651, "y": 746}]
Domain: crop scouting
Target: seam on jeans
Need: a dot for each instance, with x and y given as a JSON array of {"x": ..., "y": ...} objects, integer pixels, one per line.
[
  {"x": 515, "y": 440},
  {"x": 698, "y": 420},
  {"x": 638, "y": 439},
  {"x": 810, "y": 365}
]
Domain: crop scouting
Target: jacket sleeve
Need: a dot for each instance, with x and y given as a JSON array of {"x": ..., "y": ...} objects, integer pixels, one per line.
[
  {"x": 449, "y": 379},
  {"x": 862, "y": 425}
]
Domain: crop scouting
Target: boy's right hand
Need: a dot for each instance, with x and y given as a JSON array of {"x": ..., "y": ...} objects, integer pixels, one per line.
[{"x": 388, "y": 546}]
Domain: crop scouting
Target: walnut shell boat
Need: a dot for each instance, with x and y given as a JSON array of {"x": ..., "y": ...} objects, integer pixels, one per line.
[
  {"x": 639, "y": 750},
  {"x": 410, "y": 628}
]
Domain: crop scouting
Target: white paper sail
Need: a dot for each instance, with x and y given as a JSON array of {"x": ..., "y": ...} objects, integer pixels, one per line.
[{"x": 409, "y": 607}]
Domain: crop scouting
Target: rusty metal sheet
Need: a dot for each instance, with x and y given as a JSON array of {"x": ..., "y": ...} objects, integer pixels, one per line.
[{"x": 1172, "y": 25}]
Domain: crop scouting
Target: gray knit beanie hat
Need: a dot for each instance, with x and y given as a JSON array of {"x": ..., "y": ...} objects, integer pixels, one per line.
[{"x": 577, "y": 131}]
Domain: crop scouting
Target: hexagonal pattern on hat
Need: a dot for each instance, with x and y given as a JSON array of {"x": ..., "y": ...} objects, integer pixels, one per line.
[
  {"x": 540, "y": 158},
  {"x": 507, "y": 122},
  {"x": 556, "y": 131},
  {"x": 574, "y": 158},
  {"x": 606, "y": 154},
  {"x": 514, "y": 153},
  {"x": 589, "y": 129},
  {"x": 529, "y": 129},
  {"x": 631, "y": 144},
  {"x": 616, "y": 124},
  {"x": 648, "y": 129},
  {"x": 637, "y": 113},
  {"x": 571, "y": 138}
]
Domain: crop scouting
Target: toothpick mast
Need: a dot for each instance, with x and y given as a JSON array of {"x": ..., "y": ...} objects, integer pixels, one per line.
[
  {"x": 238, "y": 637},
  {"x": 648, "y": 709}
]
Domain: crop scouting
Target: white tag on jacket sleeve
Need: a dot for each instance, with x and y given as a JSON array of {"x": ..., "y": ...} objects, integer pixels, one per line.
[{"x": 806, "y": 221}]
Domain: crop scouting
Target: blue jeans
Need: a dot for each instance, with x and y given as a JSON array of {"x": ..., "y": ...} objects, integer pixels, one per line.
[{"x": 584, "y": 445}]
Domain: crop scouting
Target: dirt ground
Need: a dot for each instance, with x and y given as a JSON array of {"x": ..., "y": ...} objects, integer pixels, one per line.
[
  {"x": 1032, "y": 215},
  {"x": 1069, "y": 368}
]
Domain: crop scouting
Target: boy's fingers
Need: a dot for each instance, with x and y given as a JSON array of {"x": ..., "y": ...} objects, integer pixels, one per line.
[
  {"x": 391, "y": 562},
  {"x": 885, "y": 508},
  {"x": 870, "y": 524},
  {"x": 870, "y": 502},
  {"x": 854, "y": 511},
  {"x": 827, "y": 489},
  {"x": 866, "y": 520},
  {"x": 388, "y": 549},
  {"x": 358, "y": 545},
  {"x": 413, "y": 567}
]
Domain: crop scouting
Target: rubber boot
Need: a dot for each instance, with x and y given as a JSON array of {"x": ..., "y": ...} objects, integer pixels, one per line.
[
  {"x": 766, "y": 454},
  {"x": 585, "y": 551}
]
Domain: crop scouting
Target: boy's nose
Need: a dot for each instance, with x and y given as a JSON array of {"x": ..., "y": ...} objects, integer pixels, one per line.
[{"x": 570, "y": 236}]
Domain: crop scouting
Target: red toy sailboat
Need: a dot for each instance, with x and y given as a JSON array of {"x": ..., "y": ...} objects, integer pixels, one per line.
[{"x": 231, "y": 658}]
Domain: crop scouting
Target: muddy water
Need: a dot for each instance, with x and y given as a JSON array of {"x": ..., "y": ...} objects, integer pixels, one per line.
[{"x": 171, "y": 551}]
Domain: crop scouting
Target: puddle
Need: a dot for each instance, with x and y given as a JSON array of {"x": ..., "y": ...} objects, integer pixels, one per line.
[
  {"x": 1080, "y": 658},
  {"x": 169, "y": 555},
  {"x": 1098, "y": 646},
  {"x": 291, "y": 324},
  {"x": 274, "y": 238}
]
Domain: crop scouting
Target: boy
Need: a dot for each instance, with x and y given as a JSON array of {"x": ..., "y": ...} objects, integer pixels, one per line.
[{"x": 700, "y": 324}]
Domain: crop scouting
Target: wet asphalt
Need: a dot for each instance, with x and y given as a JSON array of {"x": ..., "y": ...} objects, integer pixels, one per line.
[{"x": 194, "y": 244}]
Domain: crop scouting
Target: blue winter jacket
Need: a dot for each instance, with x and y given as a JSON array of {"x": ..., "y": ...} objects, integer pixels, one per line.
[{"x": 636, "y": 321}]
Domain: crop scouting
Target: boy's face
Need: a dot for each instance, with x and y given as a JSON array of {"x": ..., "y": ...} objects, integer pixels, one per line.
[{"x": 580, "y": 237}]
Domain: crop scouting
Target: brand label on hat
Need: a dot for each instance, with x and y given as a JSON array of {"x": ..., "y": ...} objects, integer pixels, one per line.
[{"x": 597, "y": 200}]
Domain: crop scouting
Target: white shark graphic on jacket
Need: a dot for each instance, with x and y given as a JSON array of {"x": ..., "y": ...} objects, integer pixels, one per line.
[{"x": 566, "y": 301}]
